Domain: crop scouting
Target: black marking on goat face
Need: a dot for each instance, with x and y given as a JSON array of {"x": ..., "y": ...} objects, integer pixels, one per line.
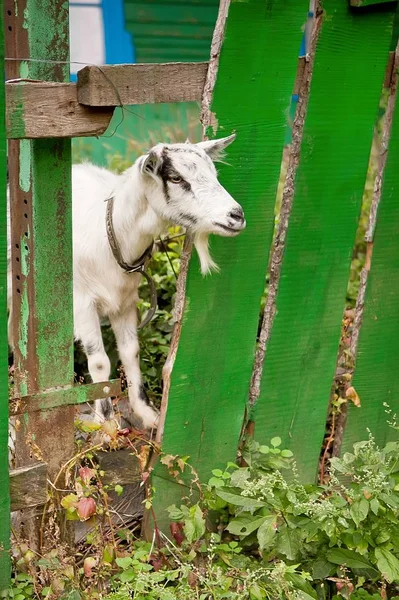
[
  {"x": 167, "y": 172},
  {"x": 186, "y": 219}
]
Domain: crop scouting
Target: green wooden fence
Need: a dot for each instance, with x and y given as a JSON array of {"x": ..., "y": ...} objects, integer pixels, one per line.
[{"x": 340, "y": 86}]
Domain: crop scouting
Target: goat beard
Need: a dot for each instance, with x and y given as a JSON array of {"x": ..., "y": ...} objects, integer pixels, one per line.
[{"x": 201, "y": 243}]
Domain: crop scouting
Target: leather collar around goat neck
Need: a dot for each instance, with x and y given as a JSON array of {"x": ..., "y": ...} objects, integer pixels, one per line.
[{"x": 138, "y": 266}]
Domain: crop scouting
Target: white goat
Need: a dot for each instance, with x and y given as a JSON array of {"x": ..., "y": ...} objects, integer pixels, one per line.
[{"x": 173, "y": 183}]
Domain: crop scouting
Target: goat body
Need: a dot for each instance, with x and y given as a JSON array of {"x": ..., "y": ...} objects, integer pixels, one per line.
[{"x": 174, "y": 183}]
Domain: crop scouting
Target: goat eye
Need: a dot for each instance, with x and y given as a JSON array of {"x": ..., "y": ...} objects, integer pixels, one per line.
[{"x": 176, "y": 179}]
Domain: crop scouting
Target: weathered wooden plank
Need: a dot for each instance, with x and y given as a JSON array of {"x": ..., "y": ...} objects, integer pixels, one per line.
[
  {"x": 121, "y": 467},
  {"x": 5, "y": 568},
  {"x": 65, "y": 395},
  {"x": 301, "y": 354},
  {"x": 51, "y": 110},
  {"x": 212, "y": 371},
  {"x": 28, "y": 486},
  {"x": 376, "y": 377},
  {"x": 141, "y": 84},
  {"x": 41, "y": 214}
]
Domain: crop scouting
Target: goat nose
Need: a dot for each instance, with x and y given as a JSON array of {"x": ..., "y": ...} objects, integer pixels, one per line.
[{"x": 237, "y": 214}]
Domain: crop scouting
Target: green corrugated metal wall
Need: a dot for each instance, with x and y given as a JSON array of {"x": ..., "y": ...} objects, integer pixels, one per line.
[
  {"x": 171, "y": 31},
  {"x": 162, "y": 31}
]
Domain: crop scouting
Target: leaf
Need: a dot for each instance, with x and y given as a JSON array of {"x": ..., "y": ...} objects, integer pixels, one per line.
[
  {"x": 88, "y": 564},
  {"x": 352, "y": 394},
  {"x": 288, "y": 543},
  {"x": 216, "y": 482},
  {"x": 287, "y": 454},
  {"x": 69, "y": 502},
  {"x": 307, "y": 592},
  {"x": 322, "y": 568},
  {"x": 232, "y": 497},
  {"x": 194, "y": 524},
  {"x": 245, "y": 525},
  {"x": 86, "y": 508},
  {"x": 350, "y": 558},
  {"x": 124, "y": 562},
  {"x": 267, "y": 531},
  {"x": 388, "y": 564},
  {"x": 240, "y": 477},
  {"x": 276, "y": 441},
  {"x": 374, "y": 505},
  {"x": 359, "y": 510}
]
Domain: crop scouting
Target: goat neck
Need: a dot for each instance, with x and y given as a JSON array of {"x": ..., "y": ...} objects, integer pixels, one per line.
[{"x": 136, "y": 224}]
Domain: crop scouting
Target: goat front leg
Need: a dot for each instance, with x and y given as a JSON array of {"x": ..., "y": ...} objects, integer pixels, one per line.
[
  {"x": 124, "y": 325},
  {"x": 88, "y": 332}
]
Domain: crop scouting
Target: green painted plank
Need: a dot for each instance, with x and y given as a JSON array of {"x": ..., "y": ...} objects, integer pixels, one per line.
[
  {"x": 211, "y": 376},
  {"x": 376, "y": 376},
  {"x": 45, "y": 347},
  {"x": 343, "y": 105},
  {"x": 185, "y": 3},
  {"x": 5, "y": 567},
  {"x": 185, "y": 30},
  {"x": 165, "y": 14}
]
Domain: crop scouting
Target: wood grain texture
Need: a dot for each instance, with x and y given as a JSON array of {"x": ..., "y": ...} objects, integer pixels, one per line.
[
  {"x": 141, "y": 83},
  {"x": 5, "y": 566},
  {"x": 376, "y": 377},
  {"x": 51, "y": 110},
  {"x": 302, "y": 350},
  {"x": 212, "y": 371},
  {"x": 28, "y": 486}
]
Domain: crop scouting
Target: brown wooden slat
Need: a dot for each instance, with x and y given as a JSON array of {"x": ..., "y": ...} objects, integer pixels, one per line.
[
  {"x": 141, "y": 83},
  {"x": 51, "y": 110},
  {"x": 28, "y": 486}
]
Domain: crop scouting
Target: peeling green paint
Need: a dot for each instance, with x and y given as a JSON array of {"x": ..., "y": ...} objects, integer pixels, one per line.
[
  {"x": 23, "y": 322},
  {"x": 24, "y": 69},
  {"x": 17, "y": 122},
  {"x": 25, "y": 23},
  {"x": 24, "y": 165},
  {"x": 48, "y": 37},
  {"x": 5, "y": 567}
]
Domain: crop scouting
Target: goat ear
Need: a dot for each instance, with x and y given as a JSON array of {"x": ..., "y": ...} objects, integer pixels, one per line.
[
  {"x": 150, "y": 163},
  {"x": 215, "y": 148}
]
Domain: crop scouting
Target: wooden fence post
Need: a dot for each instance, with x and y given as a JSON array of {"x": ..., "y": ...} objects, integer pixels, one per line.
[
  {"x": 4, "y": 481},
  {"x": 40, "y": 182}
]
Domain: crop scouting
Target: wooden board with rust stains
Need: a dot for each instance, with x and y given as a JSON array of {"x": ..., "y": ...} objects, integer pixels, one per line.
[{"x": 5, "y": 567}]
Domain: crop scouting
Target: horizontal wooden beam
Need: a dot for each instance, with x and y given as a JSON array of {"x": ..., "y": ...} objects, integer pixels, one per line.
[
  {"x": 66, "y": 395},
  {"x": 141, "y": 83},
  {"x": 51, "y": 110},
  {"x": 28, "y": 486}
]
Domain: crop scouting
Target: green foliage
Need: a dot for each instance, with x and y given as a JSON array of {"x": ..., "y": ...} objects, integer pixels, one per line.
[{"x": 346, "y": 531}]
